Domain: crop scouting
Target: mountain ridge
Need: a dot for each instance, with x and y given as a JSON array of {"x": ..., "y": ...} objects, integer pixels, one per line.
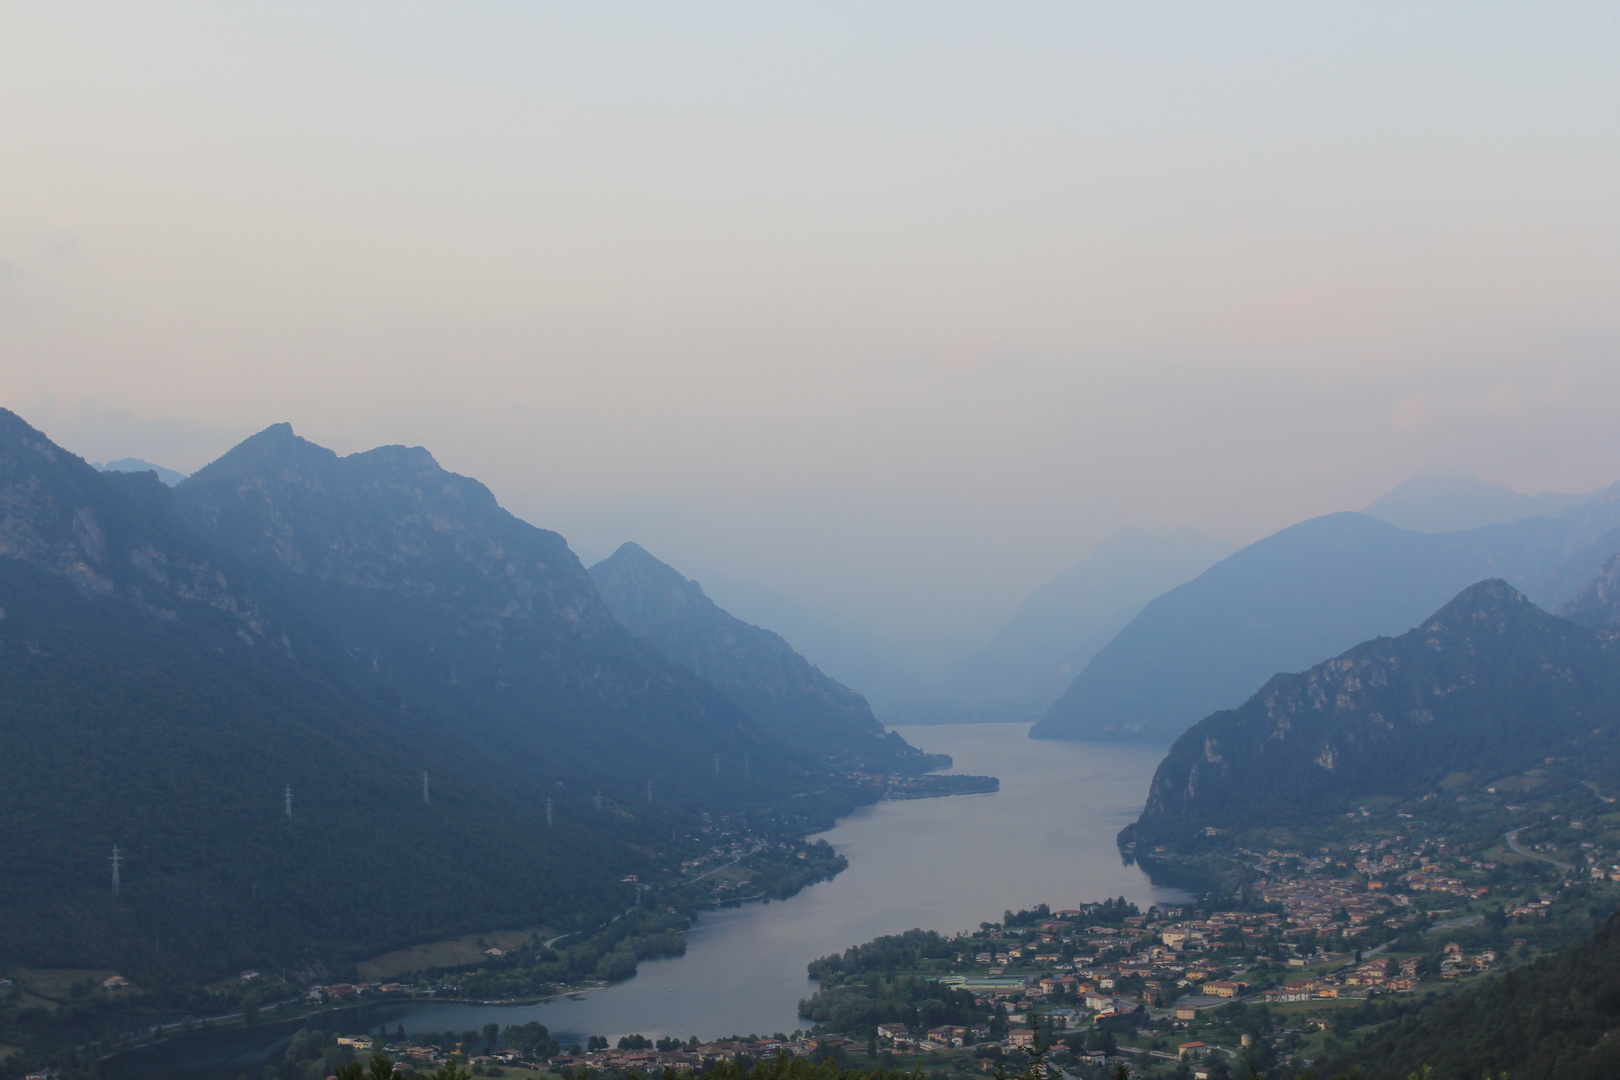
[
  {"x": 1308, "y": 591},
  {"x": 757, "y": 669}
]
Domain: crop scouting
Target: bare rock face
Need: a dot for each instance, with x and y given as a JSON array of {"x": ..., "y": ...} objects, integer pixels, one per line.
[
  {"x": 1490, "y": 684},
  {"x": 98, "y": 531},
  {"x": 389, "y": 520}
]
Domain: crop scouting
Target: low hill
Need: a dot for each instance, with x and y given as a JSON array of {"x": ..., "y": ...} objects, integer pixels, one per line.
[
  {"x": 1309, "y": 591},
  {"x": 790, "y": 698},
  {"x": 1488, "y": 686}
]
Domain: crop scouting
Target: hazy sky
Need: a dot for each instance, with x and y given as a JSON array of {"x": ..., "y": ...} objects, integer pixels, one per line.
[{"x": 896, "y": 308}]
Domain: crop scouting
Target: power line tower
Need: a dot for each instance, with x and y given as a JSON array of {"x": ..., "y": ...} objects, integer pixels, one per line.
[
  {"x": 116, "y": 860},
  {"x": 745, "y": 761},
  {"x": 286, "y": 797},
  {"x": 425, "y": 799},
  {"x": 717, "y": 764},
  {"x": 548, "y": 811},
  {"x": 598, "y": 800},
  {"x": 649, "y": 792}
]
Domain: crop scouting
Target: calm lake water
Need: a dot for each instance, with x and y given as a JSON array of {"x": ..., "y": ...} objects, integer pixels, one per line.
[{"x": 942, "y": 864}]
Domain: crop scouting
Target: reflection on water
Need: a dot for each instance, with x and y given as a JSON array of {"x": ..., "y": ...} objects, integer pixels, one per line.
[{"x": 941, "y": 864}]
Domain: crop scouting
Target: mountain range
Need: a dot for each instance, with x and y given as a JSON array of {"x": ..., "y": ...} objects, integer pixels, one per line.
[
  {"x": 325, "y": 706},
  {"x": 790, "y": 698},
  {"x": 1309, "y": 591},
  {"x": 1484, "y": 688},
  {"x": 1452, "y": 502},
  {"x": 1030, "y": 661}
]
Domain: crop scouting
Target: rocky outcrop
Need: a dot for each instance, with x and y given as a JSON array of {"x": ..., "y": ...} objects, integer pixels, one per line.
[{"x": 1598, "y": 601}]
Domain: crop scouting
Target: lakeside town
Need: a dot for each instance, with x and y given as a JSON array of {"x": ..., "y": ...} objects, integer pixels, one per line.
[
  {"x": 1309, "y": 948},
  {"x": 1315, "y": 948}
]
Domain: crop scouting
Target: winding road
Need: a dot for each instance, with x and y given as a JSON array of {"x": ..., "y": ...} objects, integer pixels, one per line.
[{"x": 1512, "y": 839}]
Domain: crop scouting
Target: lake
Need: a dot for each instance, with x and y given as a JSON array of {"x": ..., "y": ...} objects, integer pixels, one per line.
[{"x": 942, "y": 864}]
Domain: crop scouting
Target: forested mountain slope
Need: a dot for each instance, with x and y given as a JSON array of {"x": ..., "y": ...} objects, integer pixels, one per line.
[
  {"x": 1309, "y": 591},
  {"x": 1487, "y": 686},
  {"x": 336, "y": 629},
  {"x": 789, "y": 697}
]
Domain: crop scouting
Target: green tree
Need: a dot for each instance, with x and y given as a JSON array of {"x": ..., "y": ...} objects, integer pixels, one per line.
[{"x": 451, "y": 1070}]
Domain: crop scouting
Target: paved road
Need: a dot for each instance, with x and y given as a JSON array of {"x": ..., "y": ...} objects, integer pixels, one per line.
[{"x": 1513, "y": 844}]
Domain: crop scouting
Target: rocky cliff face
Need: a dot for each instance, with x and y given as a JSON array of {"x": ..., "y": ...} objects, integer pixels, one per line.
[
  {"x": 99, "y": 532},
  {"x": 757, "y": 669},
  {"x": 421, "y": 577},
  {"x": 1598, "y": 601},
  {"x": 387, "y": 520},
  {"x": 1487, "y": 686}
]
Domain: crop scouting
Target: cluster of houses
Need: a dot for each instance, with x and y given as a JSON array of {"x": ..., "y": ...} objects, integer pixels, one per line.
[
  {"x": 342, "y": 990},
  {"x": 1314, "y": 904},
  {"x": 695, "y": 1057}
]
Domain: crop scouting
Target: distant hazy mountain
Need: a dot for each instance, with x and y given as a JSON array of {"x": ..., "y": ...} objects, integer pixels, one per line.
[
  {"x": 1047, "y": 642},
  {"x": 1597, "y": 603},
  {"x": 1394, "y": 716},
  {"x": 885, "y": 675},
  {"x": 758, "y": 670},
  {"x": 1310, "y": 591},
  {"x": 1448, "y": 502},
  {"x": 131, "y": 464}
]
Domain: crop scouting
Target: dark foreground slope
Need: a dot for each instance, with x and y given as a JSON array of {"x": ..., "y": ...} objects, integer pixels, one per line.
[
  {"x": 161, "y": 688},
  {"x": 790, "y": 698},
  {"x": 1310, "y": 591},
  {"x": 1552, "y": 1020},
  {"x": 1487, "y": 686}
]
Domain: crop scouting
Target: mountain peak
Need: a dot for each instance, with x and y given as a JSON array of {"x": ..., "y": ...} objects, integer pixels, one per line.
[
  {"x": 757, "y": 669},
  {"x": 1391, "y": 717},
  {"x": 643, "y": 591}
]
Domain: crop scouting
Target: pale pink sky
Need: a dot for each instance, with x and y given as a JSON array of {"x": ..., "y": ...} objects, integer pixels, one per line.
[{"x": 895, "y": 308}]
